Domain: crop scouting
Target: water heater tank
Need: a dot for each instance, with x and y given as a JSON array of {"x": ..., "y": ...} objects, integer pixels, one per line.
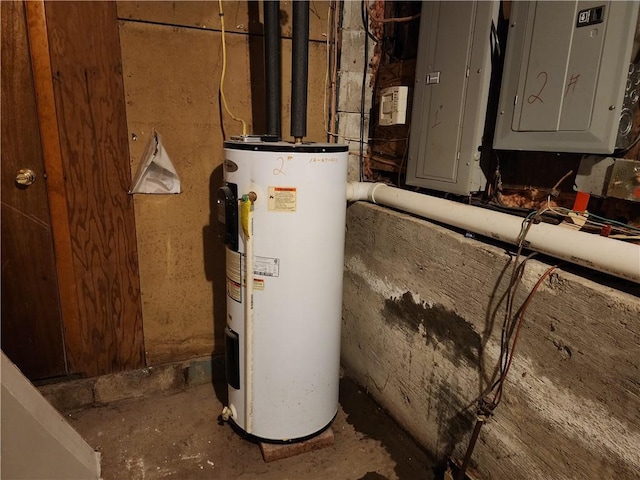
[{"x": 283, "y": 361}]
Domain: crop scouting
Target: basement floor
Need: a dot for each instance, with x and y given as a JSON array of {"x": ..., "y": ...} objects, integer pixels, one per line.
[{"x": 178, "y": 435}]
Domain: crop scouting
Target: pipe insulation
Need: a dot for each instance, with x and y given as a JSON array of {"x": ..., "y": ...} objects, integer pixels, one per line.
[
  {"x": 272, "y": 67},
  {"x": 299, "y": 69},
  {"x": 606, "y": 255}
]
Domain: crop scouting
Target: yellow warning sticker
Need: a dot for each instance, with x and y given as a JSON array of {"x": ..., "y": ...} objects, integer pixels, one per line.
[
  {"x": 258, "y": 284},
  {"x": 282, "y": 199}
]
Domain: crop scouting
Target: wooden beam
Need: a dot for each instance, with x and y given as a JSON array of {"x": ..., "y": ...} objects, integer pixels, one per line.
[
  {"x": 272, "y": 452},
  {"x": 56, "y": 190}
]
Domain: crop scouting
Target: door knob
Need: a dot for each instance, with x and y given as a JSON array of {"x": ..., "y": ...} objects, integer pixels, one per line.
[{"x": 25, "y": 177}]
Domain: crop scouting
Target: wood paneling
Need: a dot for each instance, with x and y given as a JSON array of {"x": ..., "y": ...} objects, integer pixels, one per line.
[
  {"x": 171, "y": 77},
  {"x": 87, "y": 79},
  {"x": 238, "y": 15},
  {"x": 31, "y": 322}
]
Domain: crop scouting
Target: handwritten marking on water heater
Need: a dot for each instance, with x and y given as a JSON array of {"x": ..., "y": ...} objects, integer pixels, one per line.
[
  {"x": 279, "y": 170},
  {"x": 323, "y": 160}
]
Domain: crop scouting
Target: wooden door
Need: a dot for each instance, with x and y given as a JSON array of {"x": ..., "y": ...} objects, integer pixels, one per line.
[{"x": 32, "y": 335}]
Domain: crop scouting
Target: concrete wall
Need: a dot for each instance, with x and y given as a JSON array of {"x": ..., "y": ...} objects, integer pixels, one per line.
[
  {"x": 172, "y": 59},
  {"x": 417, "y": 335}
]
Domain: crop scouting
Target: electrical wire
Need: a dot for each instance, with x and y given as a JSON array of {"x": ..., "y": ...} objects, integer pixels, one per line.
[
  {"x": 404, "y": 157},
  {"x": 591, "y": 220},
  {"x": 555, "y": 189},
  {"x": 332, "y": 67},
  {"x": 224, "y": 71},
  {"x": 518, "y": 324},
  {"x": 364, "y": 11},
  {"x": 486, "y": 408},
  {"x": 365, "y": 22},
  {"x": 395, "y": 20},
  {"x": 509, "y": 295},
  {"x": 509, "y": 336},
  {"x": 326, "y": 75},
  {"x": 331, "y": 72}
]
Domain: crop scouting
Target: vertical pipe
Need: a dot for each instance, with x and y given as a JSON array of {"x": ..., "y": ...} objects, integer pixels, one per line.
[
  {"x": 248, "y": 334},
  {"x": 272, "y": 67},
  {"x": 300, "y": 70},
  {"x": 247, "y": 227}
]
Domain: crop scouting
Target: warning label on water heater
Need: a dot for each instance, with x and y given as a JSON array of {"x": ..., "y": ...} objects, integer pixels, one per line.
[
  {"x": 282, "y": 199},
  {"x": 234, "y": 290},
  {"x": 234, "y": 275},
  {"x": 234, "y": 266}
]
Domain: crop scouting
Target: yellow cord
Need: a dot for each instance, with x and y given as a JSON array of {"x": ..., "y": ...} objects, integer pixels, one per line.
[{"x": 224, "y": 70}]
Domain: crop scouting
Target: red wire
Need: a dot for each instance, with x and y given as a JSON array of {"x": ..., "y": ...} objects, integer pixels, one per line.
[{"x": 498, "y": 395}]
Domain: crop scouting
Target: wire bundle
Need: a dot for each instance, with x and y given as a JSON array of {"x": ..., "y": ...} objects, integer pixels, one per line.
[{"x": 509, "y": 335}]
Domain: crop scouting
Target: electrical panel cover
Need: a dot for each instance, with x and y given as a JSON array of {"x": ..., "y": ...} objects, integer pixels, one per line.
[
  {"x": 565, "y": 74},
  {"x": 453, "y": 72}
]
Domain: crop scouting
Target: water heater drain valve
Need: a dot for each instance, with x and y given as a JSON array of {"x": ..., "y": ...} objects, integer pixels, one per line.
[{"x": 227, "y": 413}]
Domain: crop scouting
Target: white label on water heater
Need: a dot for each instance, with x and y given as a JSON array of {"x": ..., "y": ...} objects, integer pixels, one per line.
[
  {"x": 265, "y": 266},
  {"x": 282, "y": 199}
]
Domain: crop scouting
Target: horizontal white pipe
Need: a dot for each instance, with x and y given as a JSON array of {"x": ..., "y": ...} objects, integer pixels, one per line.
[{"x": 606, "y": 255}]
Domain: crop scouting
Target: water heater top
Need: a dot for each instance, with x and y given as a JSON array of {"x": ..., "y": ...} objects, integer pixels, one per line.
[{"x": 257, "y": 144}]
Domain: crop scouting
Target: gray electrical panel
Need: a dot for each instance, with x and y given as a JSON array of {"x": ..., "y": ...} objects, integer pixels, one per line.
[
  {"x": 453, "y": 72},
  {"x": 565, "y": 74}
]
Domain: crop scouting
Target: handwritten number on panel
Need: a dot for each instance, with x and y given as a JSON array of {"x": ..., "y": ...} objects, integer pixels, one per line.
[{"x": 537, "y": 97}]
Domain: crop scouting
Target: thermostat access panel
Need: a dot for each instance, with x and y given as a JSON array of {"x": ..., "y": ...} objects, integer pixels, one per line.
[{"x": 565, "y": 73}]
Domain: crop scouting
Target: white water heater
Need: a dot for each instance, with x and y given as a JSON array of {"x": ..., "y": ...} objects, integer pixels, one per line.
[{"x": 284, "y": 306}]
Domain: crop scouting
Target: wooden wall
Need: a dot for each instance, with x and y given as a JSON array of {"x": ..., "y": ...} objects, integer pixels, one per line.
[
  {"x": 105, "y": 332},
  {"x": 172, "y": 59}
]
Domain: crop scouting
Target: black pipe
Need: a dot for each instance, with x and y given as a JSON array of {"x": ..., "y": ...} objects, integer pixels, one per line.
[
  {"x": 300, "y": 69},
  {"x": 272, "y": 67}
]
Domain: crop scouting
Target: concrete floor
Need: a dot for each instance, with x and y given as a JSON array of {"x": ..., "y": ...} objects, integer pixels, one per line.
[{"x": 177, "y": 435}]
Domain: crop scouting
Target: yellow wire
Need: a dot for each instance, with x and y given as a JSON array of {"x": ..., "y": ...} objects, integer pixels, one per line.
[{"x": 224, "y": 71}]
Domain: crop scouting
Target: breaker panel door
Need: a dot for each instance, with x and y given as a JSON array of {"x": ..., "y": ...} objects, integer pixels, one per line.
[
  {"x": 566, "y": 75},
  {"x": 453, "y": 72}
]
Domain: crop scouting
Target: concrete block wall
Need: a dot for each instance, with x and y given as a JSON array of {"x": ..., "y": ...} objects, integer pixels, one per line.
[
  {"x": 350, "y": 78},
  {"x": 417, "y": 335}
]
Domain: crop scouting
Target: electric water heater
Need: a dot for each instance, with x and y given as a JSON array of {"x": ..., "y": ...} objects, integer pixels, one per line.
[{"x": 281, "y": 213}]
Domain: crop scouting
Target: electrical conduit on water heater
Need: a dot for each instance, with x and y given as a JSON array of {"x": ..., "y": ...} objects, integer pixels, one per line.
[
  {"x": 246, "y": 220},
  {"x": 606, "y": 255}
]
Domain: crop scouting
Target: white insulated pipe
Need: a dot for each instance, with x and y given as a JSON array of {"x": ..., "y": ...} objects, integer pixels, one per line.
[{"x": 606, "y": 255}]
